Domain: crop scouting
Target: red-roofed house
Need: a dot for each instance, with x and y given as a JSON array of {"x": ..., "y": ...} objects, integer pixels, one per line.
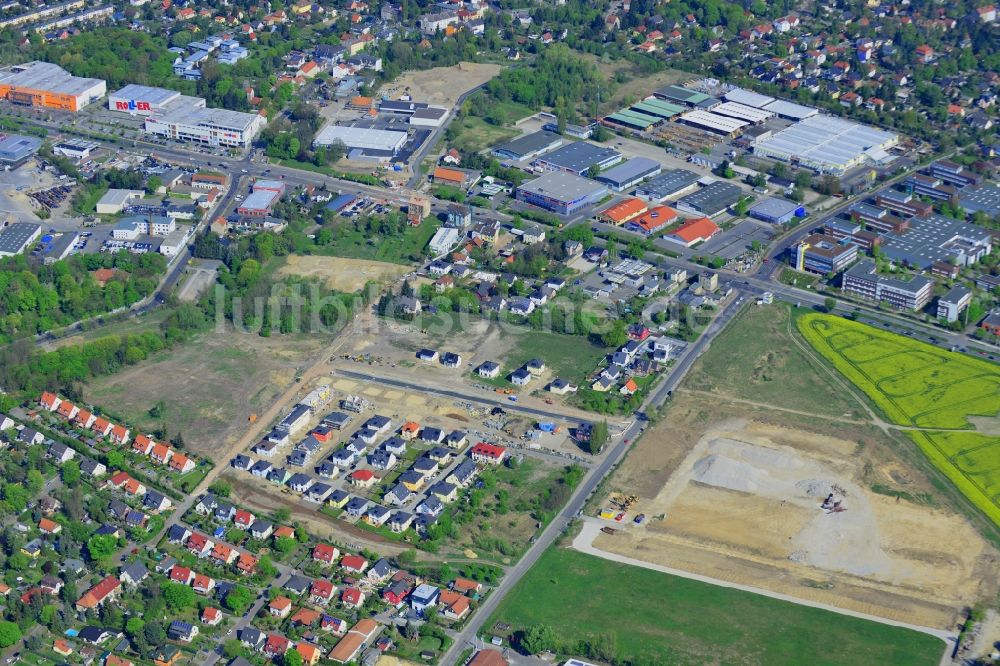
[
  {"x": 310, "y": 653},
  {"x": 243, "y": 519},
  {"x": 280, "y": 607},
  {"x": 181, "y": 463},
  {"x": 182, "y": 575},
  {"x": 203, "y": 584},
  {"x": 277, "y": 645},
  {"x": 321, "y": 591},
  {"x": 305, "y": 617},
  {"x": 695, "y": 230},
  {"x": 284, "y": 531},
  {"x": 49, "y": 526},
  {"x": 490, "y": 454},
  {"x": 246, "y": 564},
  {"x": 67, "y": 409},
  {"x": 223, "y": 553},
  {"x": 161, "y": 453},
  {"x": 119, "y": 434},
  {"x": 102, "y": 426},
  {"x": 107, "y": 590},
  {"x": 363, "y": 478},
  {"x": 84, "y": 418},
  {"x": 211, "y": 616},
  {"x": 325, "y": 554},
  {"x": 354, "y": 563},
  {"x": 143, "y": 445},
  {"x": 352, "y": 597},
  {"x": 50, "y": 401}
]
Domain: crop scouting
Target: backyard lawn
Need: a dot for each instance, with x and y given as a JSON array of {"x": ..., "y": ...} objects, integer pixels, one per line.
[
  {"x": 648, "y": 617},
  {"x": 571, "y": 357}
]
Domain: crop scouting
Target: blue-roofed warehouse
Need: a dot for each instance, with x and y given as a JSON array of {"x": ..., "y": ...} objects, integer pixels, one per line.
[{"x": 339, "y": 204}]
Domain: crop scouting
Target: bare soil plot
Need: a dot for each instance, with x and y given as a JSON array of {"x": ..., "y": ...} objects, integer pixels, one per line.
[
  {"x": 208, "y": 386},
  {"x": 340, "y": 273},
  {"x": 734, "y": 492},
  {"x": 442, "y": 86}
]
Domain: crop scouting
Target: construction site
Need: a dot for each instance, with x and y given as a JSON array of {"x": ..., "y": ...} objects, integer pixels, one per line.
[{"x": 793, "y": 511}]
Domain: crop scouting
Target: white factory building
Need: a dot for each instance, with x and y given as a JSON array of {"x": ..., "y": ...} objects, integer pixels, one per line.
[
  {"x": 827, "y": 144},
  {"x": 180, "y": 117},
  {"x": 358, "y": 138}
]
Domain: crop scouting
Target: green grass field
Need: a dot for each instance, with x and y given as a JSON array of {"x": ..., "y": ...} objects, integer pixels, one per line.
[
  {"x": 773, "y": 370},
  {"x": 406, "y": 248},
  {"x": 917, "y": 384},
  {"x": 647, "y": 617},
  {"x": 475, "y": 134},
  {"x": 571, "y": 357}
]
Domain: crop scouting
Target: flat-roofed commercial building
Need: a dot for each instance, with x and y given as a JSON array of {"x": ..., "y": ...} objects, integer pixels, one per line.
[
  {"x": 528, "y": 146},
  {"x": 361, "y": 138},
  {"x": 625, "y": 175},
  {"x": 47, "y": 86},
  {"x": 748, "y": 97},
  {"x": 668, "y": 184},
  {"x": 15, "y": 149},
  {"x": 935, "y": 239},
  {"x": 144, "y": 100},
  {"x": 691, "y": 98},
  {"x": 951, "y": 305},
  {"x": 828, "y": 145},
  {"x": 578, "y": 157},
  {"x": 17, "y": 237},
  {"x": 560, "y": 192},
  {"x": 743, "y": 112},
  {"x": 776, "y": 211},
  {"x": 903, "y": 294},
  {"x": 711, "y": 200},
  {"x": 819, "y": 253},
  {"x": 713, "y": 122},
  {"x": 215, "y": 127}
]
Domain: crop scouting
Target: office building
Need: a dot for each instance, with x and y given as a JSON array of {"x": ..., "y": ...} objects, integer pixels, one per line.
[
  {"x": 47, "y": 86},
  {"x": 902, "y": 293},
  {"x": 821, "y": 253},
  {"x": 951, "y": 305}
]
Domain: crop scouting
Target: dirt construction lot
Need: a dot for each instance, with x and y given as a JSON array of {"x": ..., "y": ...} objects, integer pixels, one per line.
[
  {"x": 207, "y": 387},
  {"x": 740, "y": 499},
  {"x": 441, "y": 86},
  {"x": 341, "y": 274}
]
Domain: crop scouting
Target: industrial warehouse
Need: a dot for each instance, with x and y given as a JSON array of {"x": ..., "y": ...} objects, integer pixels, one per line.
[
  {"x": 561, "y": 192},
  {"x": 828, "y": 145},
  {"x": 15, "y": 149},
  {"x": 47, "y": 86},
  {"x": 174, "y": 116},
  {"x": 363, "y": 142},
  {"x": 528, "y": 146},
  {"x": 577, "y": 158}
]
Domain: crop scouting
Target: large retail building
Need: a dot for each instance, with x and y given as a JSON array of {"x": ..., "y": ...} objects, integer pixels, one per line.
[
  {"x": 183, "y": 118},
  {"x": 47, "y": 86}
]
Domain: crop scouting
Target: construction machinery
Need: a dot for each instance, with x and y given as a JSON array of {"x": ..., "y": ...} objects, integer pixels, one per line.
[
  {"x": 832, "y": 505},
  {"x": 623, "y": 502}
]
